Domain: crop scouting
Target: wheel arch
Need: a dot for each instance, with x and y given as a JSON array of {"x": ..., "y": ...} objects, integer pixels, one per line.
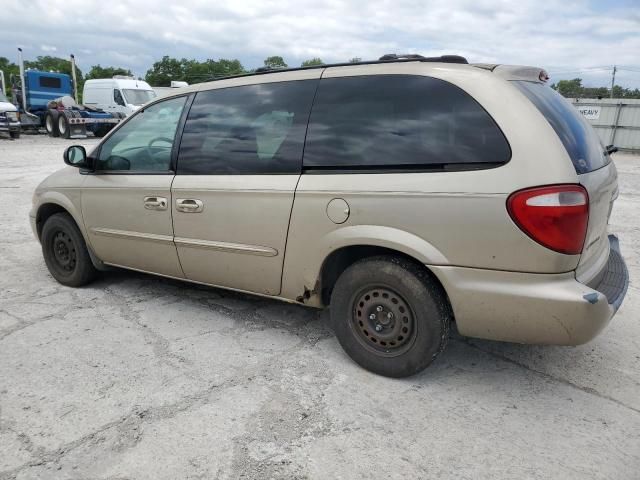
[
  {"x": 347, "y": 245},
  {"x": 50, "y": 207},
  {"x": 53, "y": 203}
]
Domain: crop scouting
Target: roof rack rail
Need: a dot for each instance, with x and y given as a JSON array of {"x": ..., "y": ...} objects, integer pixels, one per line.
[
  {"x": 388, "y": 58},
  {"x": 268, "y": 69},
  {"x": 420, "y": 58},
  {"x": 401, "y": 56}
]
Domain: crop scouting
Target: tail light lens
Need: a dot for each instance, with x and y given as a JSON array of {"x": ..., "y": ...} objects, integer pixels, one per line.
[{"x": 555, "y": 216}]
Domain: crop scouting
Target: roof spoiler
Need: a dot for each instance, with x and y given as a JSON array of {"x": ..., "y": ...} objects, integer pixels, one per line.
[{"x": 516, "y": 72}]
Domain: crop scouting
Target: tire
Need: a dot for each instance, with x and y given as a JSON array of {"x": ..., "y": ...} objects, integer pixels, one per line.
[
  {"x": 51, "y": 124},
  {"x": 14, "y": 135},
  {"x": 63, "y": 126},
  {"x": 65, "y": 251},
  {"x": 411, "y": 310},
  {"x": 102, "y": 131}
]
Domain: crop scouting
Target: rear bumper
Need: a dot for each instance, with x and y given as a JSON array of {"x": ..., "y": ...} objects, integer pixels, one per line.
[
  {"x": 534, "y": 308},
  {"x": 613, "y": 280}
]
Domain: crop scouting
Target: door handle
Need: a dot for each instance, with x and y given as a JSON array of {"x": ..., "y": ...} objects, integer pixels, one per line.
[
  {"x": 155, "y": 203},
  {"x": 189, "y": 205}
]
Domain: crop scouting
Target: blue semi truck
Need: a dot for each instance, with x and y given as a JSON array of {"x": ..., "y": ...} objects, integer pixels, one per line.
[{"x": 46, "y": 99}]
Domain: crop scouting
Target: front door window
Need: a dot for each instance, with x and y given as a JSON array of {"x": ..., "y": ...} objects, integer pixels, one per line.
[{"x": 145, "y": 142}]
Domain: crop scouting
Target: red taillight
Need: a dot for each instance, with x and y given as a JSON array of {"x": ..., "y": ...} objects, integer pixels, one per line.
[{"x": 555, "y": 216}]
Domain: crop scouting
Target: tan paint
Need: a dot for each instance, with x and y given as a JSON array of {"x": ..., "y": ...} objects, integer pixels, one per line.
[
  {"x": 255, "y": 230},
  {"x": 116, "y": 204}
]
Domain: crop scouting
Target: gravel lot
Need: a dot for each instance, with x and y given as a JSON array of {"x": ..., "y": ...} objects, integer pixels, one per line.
[{"x": 142, "y": 377}]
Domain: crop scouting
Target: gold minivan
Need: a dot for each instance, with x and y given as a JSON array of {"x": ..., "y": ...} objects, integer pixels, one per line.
[{"x": 403, "y": 193}]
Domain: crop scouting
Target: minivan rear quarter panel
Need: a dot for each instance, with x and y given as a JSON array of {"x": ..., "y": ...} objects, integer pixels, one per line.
[{"x": 459, "y": 216}]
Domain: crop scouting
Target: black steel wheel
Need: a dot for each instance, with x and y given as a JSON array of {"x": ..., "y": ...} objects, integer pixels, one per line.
[
  {"x": 383, "y": 321},
  {"x": 65, "y": 251},
  {"x": 390, "y": 315}
]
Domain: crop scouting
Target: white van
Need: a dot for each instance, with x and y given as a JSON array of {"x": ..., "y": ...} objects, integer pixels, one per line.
[
  {"x": 164, "y": 91},
  {"x": 117, "y": 94}
]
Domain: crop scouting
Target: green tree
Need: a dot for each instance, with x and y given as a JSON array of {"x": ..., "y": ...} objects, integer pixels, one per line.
[
  {"x": 167, "y": 69},
  {"x": 193, "y": 71},
  {"x": 52, "y": 64},
  {"x": 575, "y": 89},
  {"x": 275, "y": 62},
  {"x": 569, "y": 88},
  {"x": 311, "y": 62},
  {"x": 9, "y": 69},
  {"x": 106, "y": 72}
]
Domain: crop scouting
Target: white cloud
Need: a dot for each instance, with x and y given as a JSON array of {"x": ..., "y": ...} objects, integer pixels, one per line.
[
  {"x": 48, "y": 48},
  {"x": 563, "y": 36}
]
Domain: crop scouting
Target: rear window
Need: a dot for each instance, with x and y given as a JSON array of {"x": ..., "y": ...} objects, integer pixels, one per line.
[
  {"x": 50, "y": 82},
  {"x": 400, "y": 122},
  {"x": 577, "y": 136}
]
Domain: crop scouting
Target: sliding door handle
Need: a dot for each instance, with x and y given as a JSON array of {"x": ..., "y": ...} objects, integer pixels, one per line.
[
  {"x": 189, "y": 205},
  {"x": 155, "y": 203}
]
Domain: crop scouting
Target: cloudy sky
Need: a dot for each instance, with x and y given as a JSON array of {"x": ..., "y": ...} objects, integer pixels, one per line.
[{"x": 569, "y": 37}]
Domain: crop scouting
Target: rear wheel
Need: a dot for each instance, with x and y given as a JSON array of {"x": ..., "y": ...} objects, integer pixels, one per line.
[
  {"x": 51, "y": 124},
  {"x": 390, "y": 315},
  {"x": 63, "y": 126},
  {"x": 65, "y": 251}
]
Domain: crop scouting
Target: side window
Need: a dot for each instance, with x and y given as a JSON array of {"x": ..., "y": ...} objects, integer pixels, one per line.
[
  {"x": 117, "y": 97},
  {"x": 50, "y": 82},
  {"x": 145, "y": 142},
  {"x": 399, "y": 121},
  {"x": 249, "y": 129}
]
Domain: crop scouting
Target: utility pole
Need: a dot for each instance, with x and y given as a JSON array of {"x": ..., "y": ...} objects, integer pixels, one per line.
[{"x": 613, "y": 79}]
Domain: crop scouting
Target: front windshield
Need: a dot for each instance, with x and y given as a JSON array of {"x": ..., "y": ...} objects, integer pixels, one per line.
[
  {"x": 138, "y": 97},
  {"x": 3, "y": 98}
]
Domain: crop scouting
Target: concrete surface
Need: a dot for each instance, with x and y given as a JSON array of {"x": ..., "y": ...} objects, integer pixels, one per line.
[{"x": 137, "y": 377}]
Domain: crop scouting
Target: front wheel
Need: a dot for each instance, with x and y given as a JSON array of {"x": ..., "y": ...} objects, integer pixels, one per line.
[
  {"x": 65, "y": 251},
  {"x": 15, "y": 135},
  {"x": 390, "y": 315}
]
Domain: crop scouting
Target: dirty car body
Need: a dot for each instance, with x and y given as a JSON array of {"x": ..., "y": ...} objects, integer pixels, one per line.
[{"x": 471, "y": 193}]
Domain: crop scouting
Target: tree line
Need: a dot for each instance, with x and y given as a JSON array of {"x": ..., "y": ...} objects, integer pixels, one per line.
[
  {"x": 192, "y": 71},
  {"x": 159, "y": 75},
  {"x": 575, "y": 89}
]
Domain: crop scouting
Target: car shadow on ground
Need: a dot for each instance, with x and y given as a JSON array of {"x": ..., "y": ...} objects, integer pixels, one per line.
[{"x": 261, "y": 313}]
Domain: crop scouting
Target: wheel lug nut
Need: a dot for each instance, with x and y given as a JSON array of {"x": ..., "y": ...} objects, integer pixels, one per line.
[
  {"x": 390, "y": 316},
  {"x": 378, "y": 327},
  {"x": 379, "y": 308},
  {"x": 372, "y": 316}
]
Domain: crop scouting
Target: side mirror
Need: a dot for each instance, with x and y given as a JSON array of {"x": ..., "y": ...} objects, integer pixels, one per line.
[
  {"x": 611, "y": 149},
  {"x": 76, "y": 156}
]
